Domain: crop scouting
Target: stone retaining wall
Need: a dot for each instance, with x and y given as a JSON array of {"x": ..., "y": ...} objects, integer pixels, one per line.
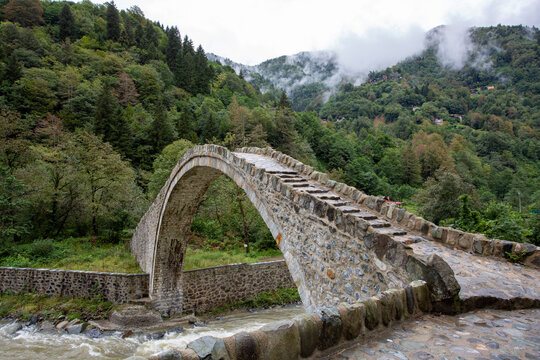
[
  {"x": 477, "y": 244},
  {"x": 204, "y": 289},
  {"x": 313, "y": 335},
  {"x": 209, "y": 288},
  {"x": 114, "y": 287}
]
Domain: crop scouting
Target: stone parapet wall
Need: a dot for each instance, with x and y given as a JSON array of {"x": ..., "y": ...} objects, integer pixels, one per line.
[
  {"x": 114, "y": 287},
  {"x": 314, "y": 335},
  {"x": 477, "y": 244},
  {"x": 208, "y": 288}
]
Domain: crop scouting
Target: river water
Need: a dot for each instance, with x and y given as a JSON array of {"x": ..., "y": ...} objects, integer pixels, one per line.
[{"x": 29, "y": 343}]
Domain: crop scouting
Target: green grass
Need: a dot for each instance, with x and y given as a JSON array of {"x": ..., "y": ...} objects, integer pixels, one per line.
[
  {"x": 73, "y": 254},
  {"x": 23, "y": 306},
  {"x": 265, "y": 299},
  {"x": 199, "y": 258},
  {"x": 84, "y": 254}
]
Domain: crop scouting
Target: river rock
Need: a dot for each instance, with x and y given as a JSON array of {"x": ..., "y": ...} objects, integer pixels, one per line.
[
  {"x": 167, "y": 355},
  {"x": 12, "y": 328},
  {"x": 46, "y": 326},
  {"x": 283, "y": 340},
  {"x": 62, "y": 324},
  {"x": 209, "y": 347},
  {"x": 135, "y": 316},
  {"x": 93, "y": 333},
  {"x": 76, "y": 328}
]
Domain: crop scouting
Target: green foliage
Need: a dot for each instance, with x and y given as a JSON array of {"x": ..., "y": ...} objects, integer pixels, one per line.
[
  {"x": 72, "y": 254},
  {"x": 12, "y": 205},
  {"x": 23, "y": 306},
  {"x": 164, "y": 164}
]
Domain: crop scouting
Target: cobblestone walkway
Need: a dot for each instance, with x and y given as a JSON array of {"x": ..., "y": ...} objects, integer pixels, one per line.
[
  {"x": 487, "y": 280},
  {"x": 479, "y": 335}
]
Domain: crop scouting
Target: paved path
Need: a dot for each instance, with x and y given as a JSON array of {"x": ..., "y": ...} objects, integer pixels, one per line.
[
  {"x": 483, "y": 334},
  {"x": 487, "y": 280}
]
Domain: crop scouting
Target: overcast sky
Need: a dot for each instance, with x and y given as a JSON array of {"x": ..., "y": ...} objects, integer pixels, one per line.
[{"x": 251, "y": 31}]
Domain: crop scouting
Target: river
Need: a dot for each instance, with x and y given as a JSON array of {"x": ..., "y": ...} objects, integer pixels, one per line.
[{"x": 29, "y": 343}]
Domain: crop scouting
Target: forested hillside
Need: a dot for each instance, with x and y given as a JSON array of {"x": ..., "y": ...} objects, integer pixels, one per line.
[
  {"x": 464, "y": 145},
  {"x": 97, "y": 105}
]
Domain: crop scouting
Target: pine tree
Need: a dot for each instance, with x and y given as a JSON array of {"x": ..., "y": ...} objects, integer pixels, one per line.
[
  {"x": 284, "y": 101},
  {"x": 66, "y": 23},
  {"x": 110, "y": 123},
  {"x": 201, "y": 83},
  {"x": 173, "y": 49},
  {"x": 13, "y": 69},
  {"x": 162, "y": 131},
  {"x": 113, "y": 22}
]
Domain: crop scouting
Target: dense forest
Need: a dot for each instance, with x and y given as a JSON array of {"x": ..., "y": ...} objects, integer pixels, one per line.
[{"x": 97, "y": 105}]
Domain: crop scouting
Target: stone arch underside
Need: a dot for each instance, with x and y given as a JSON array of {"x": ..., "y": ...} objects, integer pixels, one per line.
[{"x": 332, "y": 255}]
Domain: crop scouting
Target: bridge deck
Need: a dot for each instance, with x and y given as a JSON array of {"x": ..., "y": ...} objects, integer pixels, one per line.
[{"x": 483, "y": 280}]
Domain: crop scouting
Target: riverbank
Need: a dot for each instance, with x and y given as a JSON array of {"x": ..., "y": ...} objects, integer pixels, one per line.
[
  {"x": 33, "y": 342},
  {"x": 37, "y": 309}
]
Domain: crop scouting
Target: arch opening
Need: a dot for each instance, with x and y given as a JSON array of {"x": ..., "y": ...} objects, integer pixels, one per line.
[{"x": 184, "y": 193}]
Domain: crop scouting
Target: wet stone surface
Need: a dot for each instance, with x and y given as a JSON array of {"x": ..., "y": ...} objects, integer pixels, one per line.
[
  {"x": 483, "y": 334},
  {"x": 486, "y": 276}
]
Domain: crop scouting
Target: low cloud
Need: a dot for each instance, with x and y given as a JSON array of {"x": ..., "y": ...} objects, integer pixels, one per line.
[{"x": 377, "y": 49}]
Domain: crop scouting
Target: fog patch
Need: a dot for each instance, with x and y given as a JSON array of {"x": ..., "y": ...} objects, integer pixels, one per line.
[{"x": 377, "y": 50}]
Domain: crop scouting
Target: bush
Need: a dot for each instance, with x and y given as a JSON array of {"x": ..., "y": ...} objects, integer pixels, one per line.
[{"x": 42, "y": 249}]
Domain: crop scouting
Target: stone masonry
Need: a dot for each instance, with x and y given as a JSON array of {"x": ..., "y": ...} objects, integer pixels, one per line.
[
  {"x": 208, "y": 288},
  {"x": 334, "y": 249},
  {"x": 117, "y": 288}
]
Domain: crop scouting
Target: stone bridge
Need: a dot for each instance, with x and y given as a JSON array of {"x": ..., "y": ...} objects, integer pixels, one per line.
[{"x": 337, "y": 245}]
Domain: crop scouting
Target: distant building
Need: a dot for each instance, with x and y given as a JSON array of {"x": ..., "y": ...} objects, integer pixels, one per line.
[{"x": 438, "y": 121}]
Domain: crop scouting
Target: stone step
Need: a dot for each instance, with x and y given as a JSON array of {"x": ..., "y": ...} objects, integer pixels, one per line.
[
  {"x": 329, "y": 197},
  {"x": 293, "y": 180},
  {"x": 349, "y": 209},
  {"x": 314, "y": 190},
  {"x": 337, "y": 203},
  {"x": 299, "y": 185},
  {"x": 282, "y": 172},
  {"x": 288, "y": 176},
  {"x": 379, "y": 224},
  {"x": 366, "y": 216},
  {"x": 393, "y": 231}
]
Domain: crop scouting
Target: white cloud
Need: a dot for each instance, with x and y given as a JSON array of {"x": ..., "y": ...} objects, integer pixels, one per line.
[{"x": 251, "y": 31}]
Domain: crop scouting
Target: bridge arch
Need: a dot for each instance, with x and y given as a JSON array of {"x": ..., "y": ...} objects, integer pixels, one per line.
[
  {"x": 175, "y": 207},
  {"x": 335, "y": 250}
]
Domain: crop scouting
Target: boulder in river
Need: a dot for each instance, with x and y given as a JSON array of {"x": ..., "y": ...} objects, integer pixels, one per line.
[
  {"x": 12, "y": 328},
  {"x": 209, "y": 347}
]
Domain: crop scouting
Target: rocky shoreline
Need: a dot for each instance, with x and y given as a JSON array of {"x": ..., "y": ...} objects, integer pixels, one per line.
[{"x": 127, "y": 321}]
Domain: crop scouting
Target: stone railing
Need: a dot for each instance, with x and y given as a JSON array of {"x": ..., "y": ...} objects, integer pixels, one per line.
[
  {"x": 114, "y": 287},
  {"x": 477, "y": 244},
  {"x": 313, "y": 335},
  {"x": 208, "y": 288}
]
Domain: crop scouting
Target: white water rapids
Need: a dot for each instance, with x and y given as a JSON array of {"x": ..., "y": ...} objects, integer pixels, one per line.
[{"x": 29, "y": 343}]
